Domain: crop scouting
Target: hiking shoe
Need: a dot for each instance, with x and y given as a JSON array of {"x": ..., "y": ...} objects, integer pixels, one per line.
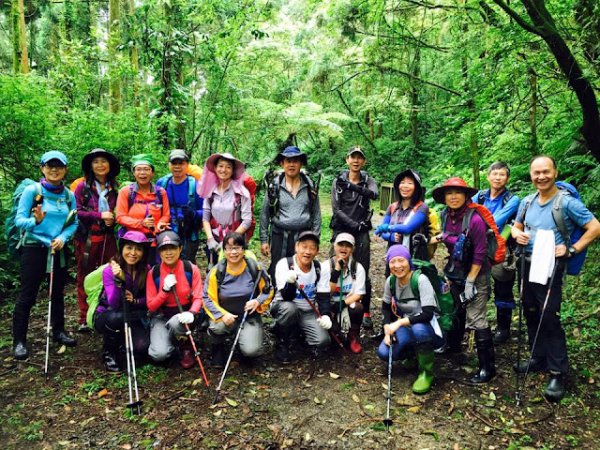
[
  {"x": 219, "y": 358},
  {"x": 63, "y": 338},
  {"x": 501, "y": 336},
  {"x": 367, "y": 323},
  {"x": 83, "y": 328},
  {"x": 111, "y": 362},
  {"x": 536, "y": 365},
  {"x": 282, "y": 352},
  {"x": 20, "y": 351},
  {"x": 187, "y": 358},
  {"x": 555, "y": 390},
  {"x": 354, "y": 341}
]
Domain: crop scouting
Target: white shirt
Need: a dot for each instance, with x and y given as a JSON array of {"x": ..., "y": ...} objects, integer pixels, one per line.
[{"x": 307, "y": 281}]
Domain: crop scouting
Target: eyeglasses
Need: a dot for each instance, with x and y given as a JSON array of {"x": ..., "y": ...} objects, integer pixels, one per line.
[
  {"x": 235, "y": 249},
  {"x": 142, "y": 169}
]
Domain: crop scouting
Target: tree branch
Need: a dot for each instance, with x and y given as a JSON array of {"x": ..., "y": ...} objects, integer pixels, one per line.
[
  {"x": 340, "y": 95},
  {"x": 517, "y": 18}
]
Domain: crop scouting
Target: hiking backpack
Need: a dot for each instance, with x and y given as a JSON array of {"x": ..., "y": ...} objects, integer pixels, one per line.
[
  {"x": 574, "y": 263},
  {"x": 13, "y": 234},
  {"x": 317, "y": 264},
  {"x": 273, "y": 181},
  {"x": 187, "y": 268},
  {"x": 222, "y": 269},
  {"x": 445, "y": 302},
  {"x": 496, "y": 244},
  {"x": 93, "y": 287}
]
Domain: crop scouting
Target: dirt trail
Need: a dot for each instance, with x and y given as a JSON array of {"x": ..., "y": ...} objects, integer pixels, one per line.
[{"x": 337, "y": 402}]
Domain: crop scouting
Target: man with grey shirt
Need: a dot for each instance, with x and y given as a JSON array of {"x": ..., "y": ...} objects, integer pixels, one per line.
[{"x": 291, "y": 205}]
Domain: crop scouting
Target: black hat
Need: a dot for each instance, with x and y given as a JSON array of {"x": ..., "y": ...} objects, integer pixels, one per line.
[
  {"x": 291, "y": 152},
  {"x": 86, "y": 162},
  {"x": 308, "y": 235},
  {"x": 168, "y": 238},
  {"x": 419, "y": 190}
]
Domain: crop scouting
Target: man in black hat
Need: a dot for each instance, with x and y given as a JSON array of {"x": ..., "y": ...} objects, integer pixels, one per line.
[
  {"x": 351, "y": 193},
  {"x": 184, "y": 202},
  {"x": 291, "y": 205}
]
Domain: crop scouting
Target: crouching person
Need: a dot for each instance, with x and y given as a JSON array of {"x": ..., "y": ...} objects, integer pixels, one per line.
[
  {"x": 124, "y": 280},
  {"x": 170, "y": 283},
  {"x": 408, "y": 310},
  {"x": 294, "y": 276},
  {"x": 236, "y": 288},
  {"x": 347, "y": 278}
]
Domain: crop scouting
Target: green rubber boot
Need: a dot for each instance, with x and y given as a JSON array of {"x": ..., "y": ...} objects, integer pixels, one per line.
[{"x": 423, "y": 382}]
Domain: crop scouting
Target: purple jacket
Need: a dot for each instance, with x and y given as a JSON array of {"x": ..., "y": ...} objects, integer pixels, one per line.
[
  {"x": 87, "y": 213},
  {"x": 113, "y": 291},
  {"x": 476, "y": 232}
]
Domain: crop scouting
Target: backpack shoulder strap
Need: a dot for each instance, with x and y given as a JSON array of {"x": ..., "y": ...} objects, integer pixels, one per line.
[
  {"x": 467, "y": 219},
  {"x": 290, "y": 262},
  {"x": 481, "y": 197},
  {"x": 507, "y": 196},
  {"x": 156, "y": 275},
  {"x": 131, "y": 196},
  {"x": 414, "y": 283},
  {"x": 221, "y": 269},
  {"x": 317, "y": 270},
  {"x": 192, "y": 191},
  {"x": 189, "y": 272},
  {"x": 527, "y": 201},
  {"x": 558, "y": 214}
]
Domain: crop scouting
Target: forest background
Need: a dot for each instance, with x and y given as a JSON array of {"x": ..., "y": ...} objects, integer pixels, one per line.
[{"x": 443, "y": 86}]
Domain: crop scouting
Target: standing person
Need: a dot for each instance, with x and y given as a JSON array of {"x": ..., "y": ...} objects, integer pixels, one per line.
[
  {"x": 142, "y": 206},
  {"x": 227, "y": 203},
  {"x": 406, "y": 218},
  {"x": 184, "y": 202},
  {"x": 290, "y": 206},
  {"x": 351, "y": 193},
  {"x": 468, "y": 271},
  {"x": 409, "y": 317},
  {"x": 171, "y": 280},
  {"x": 229, "y": 293},
  {"x": 550, "y": 352},
  {"x": 95, "y": 242},
  {"x": 503, "y": 204},
  {"x": 347, "y": 280},
  {"x": 124, "y": 280},
  {"x": 44, "y": 216},
  {"x": 290, "y": 309}
]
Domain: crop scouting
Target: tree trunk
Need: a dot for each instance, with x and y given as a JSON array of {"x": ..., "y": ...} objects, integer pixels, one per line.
[
  {"x": 20, "y": 59},
  {"x": 114, "y": 87},
  {"x": 533, "y": 145},
  {"x": 414, "y": 99},
  {"x": 133, "y": 55}
]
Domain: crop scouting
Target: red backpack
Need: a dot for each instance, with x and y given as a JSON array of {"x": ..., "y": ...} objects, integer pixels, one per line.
[{"x": 496, "y": 244}]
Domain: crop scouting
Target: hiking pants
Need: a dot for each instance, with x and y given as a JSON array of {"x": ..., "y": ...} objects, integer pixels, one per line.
[
  {"x": 111, "y": 324},
  {"x": 99, "y": 253},
  {"x": 551, "y": 344},
  {"x": 251, "y": 336},
  {"x": 474, "y": 316},
  {"x": 503, "y": 292},
  {"x": 283, "y": 244},
  {"x": 162, "y": 333},
  {"x": 287, "y": 314},
  {"x": 418, "y": 333},
  {"x": 190, "y": 250}
]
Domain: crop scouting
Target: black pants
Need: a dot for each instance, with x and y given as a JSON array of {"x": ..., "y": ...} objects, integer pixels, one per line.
[
  {"x": 551, "y": 345},
  {"x": 33, "y": 271},
  {"x": 111, "y": 324},
  {"x": 283, "y": 244}
]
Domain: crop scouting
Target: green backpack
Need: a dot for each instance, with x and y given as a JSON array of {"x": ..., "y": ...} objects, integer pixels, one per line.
[
  {"x": 445, "y": 301},
  {"x": 14, "y": 235},
  {"x": 93, "y": 286}
]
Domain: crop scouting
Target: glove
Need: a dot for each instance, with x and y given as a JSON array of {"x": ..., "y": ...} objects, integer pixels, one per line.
[
  {"x": 213, "y": 245},
  {"x": 169, "y": 282},
  {"x": 185, "y": 317},
  {"x": 383, "y": 228},
  {"x": 343, "y": 184},
  {"x": 291, "y": 277},
  {"x": 470, "y": 290},
  {"x": 345, "y": 320},
  {"x": 364, "y": 226},
  {"x": 324, "y": 322}
]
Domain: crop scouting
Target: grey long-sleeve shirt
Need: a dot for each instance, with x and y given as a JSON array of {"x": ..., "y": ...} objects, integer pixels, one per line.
[{"x": 294, "y": 213}]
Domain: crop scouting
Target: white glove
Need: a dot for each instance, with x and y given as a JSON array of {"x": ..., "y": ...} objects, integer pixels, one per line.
[
  {"x": 345, "y": 320},
  {"x": 324, "y": 322},
  {"x": 169, "y": 282},
  {"x": 213, "y": 245},
  {"x": 185, "y": 317},
  {"x": 291, "y": 277},
  {"x": 470, "y": 290}
]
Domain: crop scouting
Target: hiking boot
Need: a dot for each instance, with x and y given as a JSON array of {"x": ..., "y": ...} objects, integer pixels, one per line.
[
  {"x": 367, "y": 323},
  {"x": 422, "y": 384},
  {"x": 218, "y": 357},
  {"x": 187, "y": 358},
  {"x": 486, "y": 355},
  {"x": 501, "y": 336},
  {"x": 111, "y": 362},
  {"x": 555, "y": 390},
  {"x": 536, "y": 365},
  {"x": 354, "y": 341},
  {"x": 282, "y": 351},
  {"x": 20, "y": 351},
  {"x": 503, "y": 319},
  {"x": 61, "y": 337},
  {"x": 83, "y": 328}
]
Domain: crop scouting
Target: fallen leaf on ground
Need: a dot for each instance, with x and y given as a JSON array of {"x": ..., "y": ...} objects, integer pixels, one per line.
[
  {"x": 197, "y": 381},
  {"x": 317, "y": 401},
  {"x": 335, "y": 376},
  {"x": 414, "y": 409},
  {"x": 102, "y": 393},
  {"x": 355, "y": 398},
  {"x": 231, "y": 402},
  {"x": 62, "y": 349}
]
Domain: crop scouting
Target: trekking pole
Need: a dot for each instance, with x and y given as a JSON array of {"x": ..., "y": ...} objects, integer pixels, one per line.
[
  {"x": 520, "y": 328},
  {"x": 134, "y": 406},
  {"x": 235, "y": 341},
  {"x": 388, "y": 421},
  {"x": 341, "y": 305},
  {"x": 50, "y": 286},
  {"x": 188, "y": 333},
  {"x": 537, "y": 332},
  {"x": 312, "y": 305}
]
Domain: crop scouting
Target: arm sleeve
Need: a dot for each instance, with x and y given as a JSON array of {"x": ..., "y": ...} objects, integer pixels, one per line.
[
  {"x": 386, "y": 303},
  {"x": 266, "y": 292},
  {"x": 166, "y": 211},
  {"x": 196, "y": 290},
  {"x": 112, "y": 290},
  {"x": 324, "y": 302},
  {"x": 211, "y": 297},
  {"x": 411, "y": 225},
  {"x": 122, "y": 212},
  {"x": 502, "y": 216},
  {"x": 372, "y": 185},
  {"x": 68, "y": 232},
  {"x": 316, "y": 216},
  {"x": 87, "y": 217},
  {"x": 246, "y": 212},
  {"x": 23, "y": 218},
  {"x": 154, "y": 298},
  {"x": 424, "y": 316},
  {"x": 199, "y": 208},
  {"x": 338, "y": 213},
  {"x": 478, "y": 239}
]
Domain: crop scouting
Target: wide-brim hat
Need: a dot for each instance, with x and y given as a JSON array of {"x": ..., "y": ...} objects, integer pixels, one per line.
[
  {"x": 115, "y": 165},
  {"x": 419, "y": 190},
  {"x": 291, "y": 152},
  {"x": 238, "y": 166},
  {"x": 439, "y": 192}
]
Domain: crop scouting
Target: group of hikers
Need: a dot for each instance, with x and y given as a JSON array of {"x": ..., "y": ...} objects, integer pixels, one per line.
[{"x": 142, "y": 241}]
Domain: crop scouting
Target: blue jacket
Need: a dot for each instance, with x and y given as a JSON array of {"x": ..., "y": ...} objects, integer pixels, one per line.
[{"x": 182, "y": 209}]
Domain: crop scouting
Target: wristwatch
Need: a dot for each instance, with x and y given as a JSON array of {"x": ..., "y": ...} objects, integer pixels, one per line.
[{"x": 572, "y": 251}]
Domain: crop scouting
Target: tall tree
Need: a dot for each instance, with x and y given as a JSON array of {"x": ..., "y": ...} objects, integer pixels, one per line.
[
  {"x": 114, "y": 38},
  {"x": 20, "y": 59}
]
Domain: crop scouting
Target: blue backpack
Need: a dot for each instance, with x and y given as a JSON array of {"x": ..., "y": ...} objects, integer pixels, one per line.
[{"x": 575, "y": 263}]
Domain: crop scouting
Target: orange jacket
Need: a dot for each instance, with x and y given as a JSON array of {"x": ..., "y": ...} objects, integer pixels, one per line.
[{"x": 143, "y": 206}]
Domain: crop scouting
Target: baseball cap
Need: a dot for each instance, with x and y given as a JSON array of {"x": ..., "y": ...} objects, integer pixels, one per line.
[
  {"x": 168, "y": 238},
  {"x": 53, "y": 154},
  {"x": 178, "y": 154},
  {"x": 345, "y": 237}
]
